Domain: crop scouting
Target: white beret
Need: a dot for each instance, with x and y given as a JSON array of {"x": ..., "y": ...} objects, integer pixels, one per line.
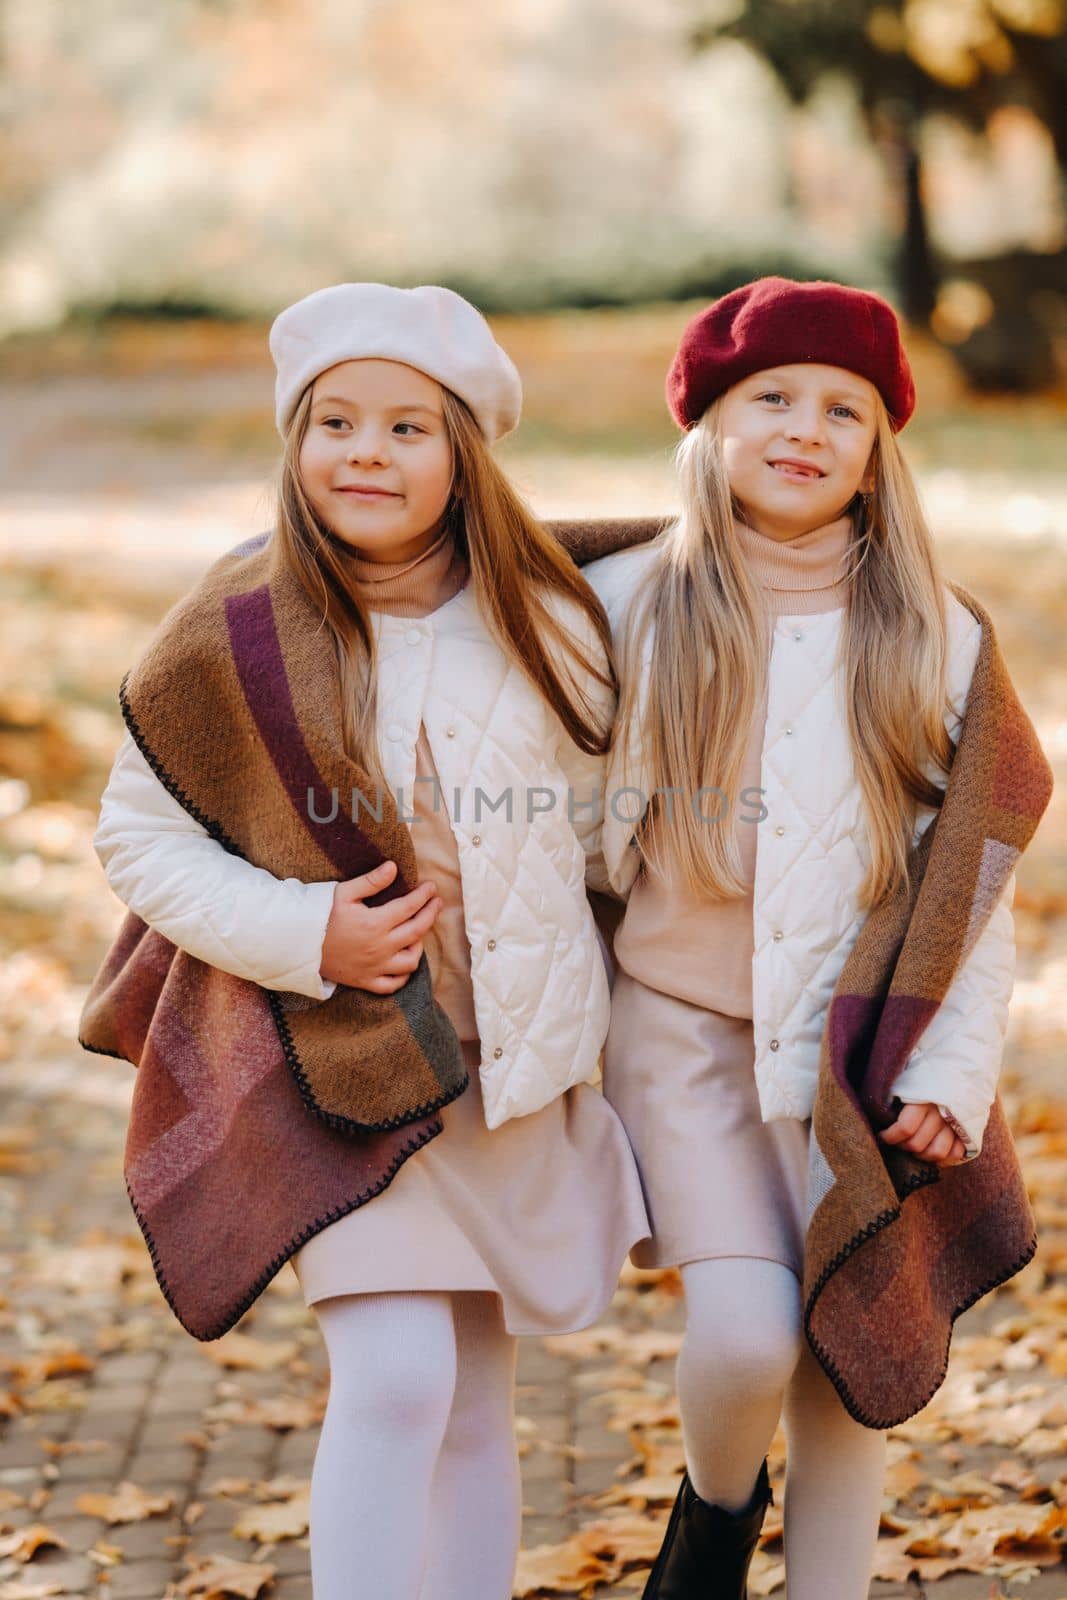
[{"x": 430, "y": 328}]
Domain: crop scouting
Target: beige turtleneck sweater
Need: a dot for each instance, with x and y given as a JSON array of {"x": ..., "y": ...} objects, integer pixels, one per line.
[
  {"x": 414, "y": 589},
  {"x": 697, "y": 949},
  {"x": 411, "y": 588}
]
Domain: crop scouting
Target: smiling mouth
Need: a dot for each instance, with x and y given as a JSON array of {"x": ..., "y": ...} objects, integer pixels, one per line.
[
  {"x": 796, "y": 469},
  {"x": 368, "y": 494}
]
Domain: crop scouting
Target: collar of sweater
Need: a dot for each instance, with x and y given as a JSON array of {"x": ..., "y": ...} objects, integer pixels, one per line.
[
  {"x": 806, "y": 573},
  {"x": 411, "y": 588}
]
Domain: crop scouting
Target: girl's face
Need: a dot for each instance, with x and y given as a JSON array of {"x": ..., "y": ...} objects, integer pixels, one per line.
[
  {"x": 376, "y": 460},
  {"x": 797, "y": 444}
]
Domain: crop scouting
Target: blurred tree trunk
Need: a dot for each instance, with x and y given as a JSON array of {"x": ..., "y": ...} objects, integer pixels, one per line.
[{"x": 916, "y": 269}]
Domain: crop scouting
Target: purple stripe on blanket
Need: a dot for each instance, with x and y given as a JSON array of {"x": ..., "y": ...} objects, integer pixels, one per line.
[
  {"x": 870, "y": 1041},
  {"x": 901, "y": 1025},
  {"x": 851, "y": 1026},
  {"x": 260, "y": 667}
]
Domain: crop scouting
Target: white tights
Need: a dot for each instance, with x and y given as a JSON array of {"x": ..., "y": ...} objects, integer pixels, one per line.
[
  {"x": 743, "y": 1358},
  {"x": 415, "y": 1490}
]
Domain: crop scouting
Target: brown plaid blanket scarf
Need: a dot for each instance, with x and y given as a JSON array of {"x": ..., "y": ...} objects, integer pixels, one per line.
[
  {"x": 897, "y": 1248},
  {"x": 258, "y": 1119}
]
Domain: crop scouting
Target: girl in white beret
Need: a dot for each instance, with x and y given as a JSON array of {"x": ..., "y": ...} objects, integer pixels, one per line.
[{"x": 407, "y": 615}]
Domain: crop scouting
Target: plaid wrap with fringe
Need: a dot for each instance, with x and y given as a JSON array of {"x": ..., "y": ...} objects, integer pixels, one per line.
[
  {"x": 897, "y": 1248},
  {"x": 259, "y": 1117}
]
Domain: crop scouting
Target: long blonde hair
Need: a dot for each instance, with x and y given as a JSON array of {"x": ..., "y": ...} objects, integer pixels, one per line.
[
  {"x": 701, "y": 624},
  {"x": 515, "y": 566}
]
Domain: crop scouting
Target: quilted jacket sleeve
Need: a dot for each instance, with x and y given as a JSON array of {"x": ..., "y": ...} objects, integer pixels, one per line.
[
  {"x": 957, "y": 1062},
  {"x": 172, "y": 874}
]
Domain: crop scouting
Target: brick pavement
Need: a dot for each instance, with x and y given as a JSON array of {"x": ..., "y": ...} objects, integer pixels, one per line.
[{"x": 156, "y": 1410}]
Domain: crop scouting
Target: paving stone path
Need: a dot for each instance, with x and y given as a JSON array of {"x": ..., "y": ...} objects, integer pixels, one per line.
[{"x": 156, "y": 1409}]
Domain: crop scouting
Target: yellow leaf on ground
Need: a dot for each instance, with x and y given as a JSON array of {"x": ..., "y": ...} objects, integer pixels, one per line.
[
  {"x": 646, "y": 1491},
  {"x": 24, "y": 1544},
  {"x": 281, "y": 1488},
  {"x": 596, "y": 1554},
  {"x": 61, "y": 1394},
  {"x": 30, "y": 1589},
  {"x": 231, "y": 1488},
  {"x": 586, "y": 1344},
  {"x": 62, "y": 1362},
  {"x": 658, "y": 1457},
  {"x": 106, "y": 1555},
  {"x": 557, "y": 1569},
  {"x": 654, "y": 1344},
  {"x": 765, "y": 1575},
  {"x": 286, "y": 1519},
  {"x": 216, "y": 1577},
  {"x": 644, "y": 1411},
  {"x": 280, "y": 1412},
  {"x": 1012, "y": 1475},
  {"x": 128, "y": 1504},
  {"x": 625, "y": 1538},
  {"x": 243, "y": 1352}
]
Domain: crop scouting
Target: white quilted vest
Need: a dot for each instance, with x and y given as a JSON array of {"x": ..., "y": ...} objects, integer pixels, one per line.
[
  {"x": 542, "y": 1004},
  {"x": 812, "y": 851}
]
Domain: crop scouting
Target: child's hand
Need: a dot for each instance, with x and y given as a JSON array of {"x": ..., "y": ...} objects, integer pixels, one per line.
[
  {"x": 377, "y": 947},
  {"x": 923, "y": 1130}
]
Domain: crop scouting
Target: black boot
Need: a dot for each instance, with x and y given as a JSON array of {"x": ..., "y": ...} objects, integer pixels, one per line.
[{"x": 706, "y": 1551}]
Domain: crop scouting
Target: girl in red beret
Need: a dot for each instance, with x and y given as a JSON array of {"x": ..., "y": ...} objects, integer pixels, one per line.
[{"x": 794, "y": 675}]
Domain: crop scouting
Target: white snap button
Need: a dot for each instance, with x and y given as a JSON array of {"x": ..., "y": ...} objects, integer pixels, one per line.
[
  {"x": 413, "y": 636},
  {"x": 450, "y": 733},
  {"x": 477, "y": 839},
  {"x": 798, "y": 637},
  {"x": 788, "y": 732},
  {"x": 774, "y": 1044},
  {"x": 490, "y": 944},
  {"x": 778, "y": 934},
  {"x": 497, "y": 1053},
  {"x": 779, "y": 831}
]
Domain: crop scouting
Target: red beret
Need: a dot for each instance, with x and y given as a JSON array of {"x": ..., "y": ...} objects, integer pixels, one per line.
[{"x": 774, "y": 322}]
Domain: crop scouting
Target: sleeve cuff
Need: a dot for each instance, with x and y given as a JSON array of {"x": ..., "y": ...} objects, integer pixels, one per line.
[
  {"x": 971, "y": 1147},
  {"x": 969, "y": 1134},
  {"x": 317, "y": 905}
]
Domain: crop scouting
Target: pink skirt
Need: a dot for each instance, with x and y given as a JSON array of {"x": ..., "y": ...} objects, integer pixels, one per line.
[
  {"x": 718, "y": 1180},
  {"x": 541, "y": 1210}
]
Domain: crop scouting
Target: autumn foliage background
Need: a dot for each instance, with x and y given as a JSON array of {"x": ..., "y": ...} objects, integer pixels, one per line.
[{"x": 588, "y": 172}]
